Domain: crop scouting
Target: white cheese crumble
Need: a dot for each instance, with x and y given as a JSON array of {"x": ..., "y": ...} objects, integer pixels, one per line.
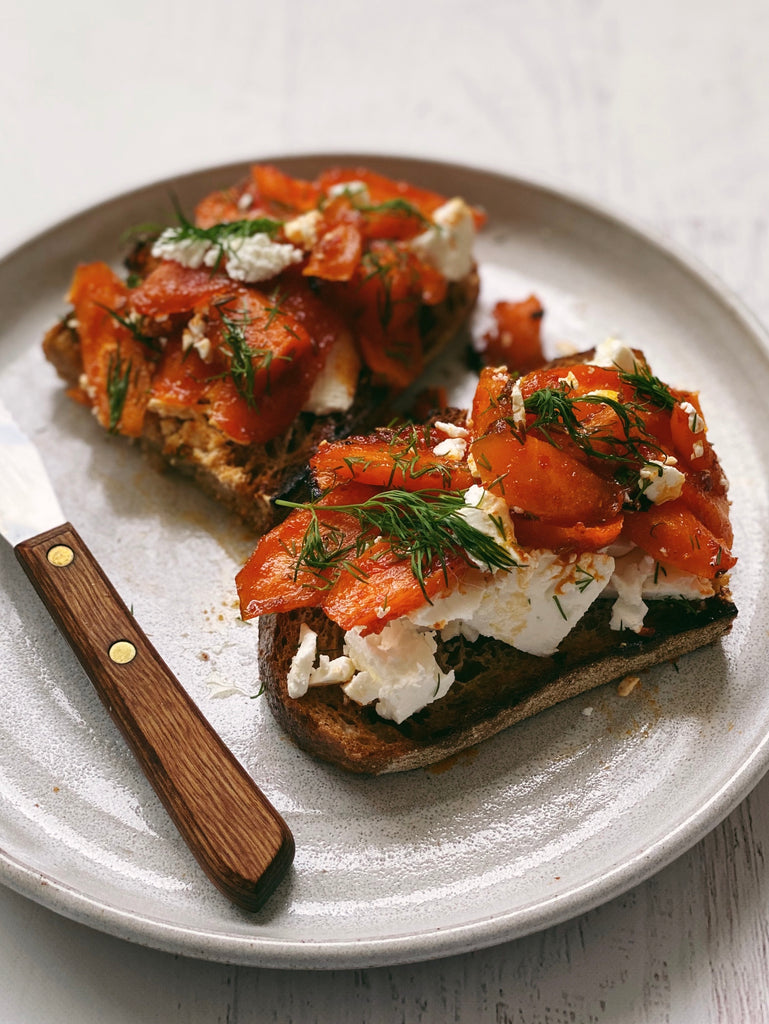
[
  {"x": 301, "y": 664},
  {"x": 613, "y": 354},
  {"x": 535, "y": 607},
  {"x": 453, "y": 448},
  {"x": 194, "y": 336},
  {"x": 85, "y": 385},
  {"x": 303, "y": 672},
  {"x": 638, "y": 578},
  {"x": 451, "y": 429},
  {"x": 248, "y": 259},
  {"x": 352, "y": 189},
  {"x": 303, "y": 230},
  {"x": 518, "y": 407},
  {"x": 257, "y": 258},
  {"x": 334, "y": 388},
  {"x": 532, "y": 608},
  {"x": 448, "y": 243},
  {"x": 696, "y": 422},
  {"x": 661, "y": 481},
  {"x": 396, "y": 668},
  {"x": 489, "y": 515}
]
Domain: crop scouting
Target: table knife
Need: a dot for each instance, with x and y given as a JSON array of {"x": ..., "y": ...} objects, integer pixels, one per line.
[{"x": 238, "y": 838}]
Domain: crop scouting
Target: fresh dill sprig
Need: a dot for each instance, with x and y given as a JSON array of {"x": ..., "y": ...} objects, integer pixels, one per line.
[
  {"x": 554, "y": 408},
  {"x": 132, "y": 326},
  {"x": 397, "y": 206},
  {"x": 118, "y": 383},
  {"x": 424, "y": 528},
  {"x": 245, "y": 360},
  {"x": 649, "y": 387},
  {"x": 376, "y": 267},
  {"x": 219, "y": 236},
  {"x": 405, "y": 454},
  {"x": 324, "y": 551}
]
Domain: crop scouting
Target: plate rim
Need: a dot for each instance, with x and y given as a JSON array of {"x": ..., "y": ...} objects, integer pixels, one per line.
[{"x": 424, "y": 945}]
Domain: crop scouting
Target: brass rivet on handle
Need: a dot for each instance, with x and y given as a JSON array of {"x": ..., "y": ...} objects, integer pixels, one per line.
[
  {"x": 122, "y": 651},
  {"x": 60, "y": 555}
]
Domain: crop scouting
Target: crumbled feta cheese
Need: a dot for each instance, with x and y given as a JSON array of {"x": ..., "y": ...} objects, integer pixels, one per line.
[
  {"x": 637, "y": 578},
  {"x": 254, "y": 259},
  {"x": 301, "y": 664},
  {"x": 452, "y": 448},
  {"x": 488, "y": 514},
  {"x": 303, "y": 672},
  {"x": 396, "y": 668},
  {"x": 246, "y": 201},
  {"x": 249, "y": 259},
  {"x": 698, "y": 449},
  {"x": 570, "y": 379},
  {"x": 340, "y": 670},
  {"x": 614, "y": 354},
  {"x": 448, "y": 243},
  {"x": 450, "y": 612},
  {"x": 518, "y": 407},
  {"x": 451, "y": 429},
  {"x": 190, "y": 252},
  {"x": 353, "y": 189},
  {"x": 533, "y": 608},
  {"x": 696, "y": 422},
  {"x": 85, "y": 385},
  {"x": 303, "y": 230},
  {"x": 334, "y": 388},
  {"x": 194, "y": 336},
  {"x": 627, "y": 581},
  {"x": 661, "y": 481}
]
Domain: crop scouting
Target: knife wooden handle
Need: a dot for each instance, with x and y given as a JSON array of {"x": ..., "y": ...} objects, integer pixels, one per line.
[{"x": 235, "y": 833}]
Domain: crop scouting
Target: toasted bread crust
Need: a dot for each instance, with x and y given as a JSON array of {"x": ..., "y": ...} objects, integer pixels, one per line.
[
  {"x": 495, "y": 686},
  {"x": 247, "y": 478}
]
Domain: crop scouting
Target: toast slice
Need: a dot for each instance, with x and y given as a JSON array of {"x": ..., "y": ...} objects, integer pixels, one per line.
[
  {"x": 618, "y": 553},
  {"x": 248, "y": 478},
  {"x": 496, "y": 685},
  {"x": 367, "y": 287}
]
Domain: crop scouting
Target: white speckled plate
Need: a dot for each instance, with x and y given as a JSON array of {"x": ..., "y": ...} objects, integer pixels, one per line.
[{"x": 557, "y": 815}]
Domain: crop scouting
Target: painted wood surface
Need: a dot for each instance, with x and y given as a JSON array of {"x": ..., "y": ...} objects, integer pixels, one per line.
[{"x": 660, "y": 110}]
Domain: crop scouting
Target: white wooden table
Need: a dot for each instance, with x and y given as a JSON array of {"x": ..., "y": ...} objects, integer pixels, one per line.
[{"x": 659, "y": 109}]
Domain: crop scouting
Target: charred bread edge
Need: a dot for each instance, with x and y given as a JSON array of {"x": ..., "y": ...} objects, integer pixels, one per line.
[
  {"x": 247, "y": 478},
  {"x": 333, "y": 728}
]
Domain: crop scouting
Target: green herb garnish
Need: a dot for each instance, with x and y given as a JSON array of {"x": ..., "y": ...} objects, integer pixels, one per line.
[
  {"x": 245, "y": 360},
  {"x": 397, "y": 206},
  {"x": 583, "y": 578},
  {"x": 118, "y": 382},
  {"x": 422, "y": 527},
  {"x": 132, "y": 326},
  {"x": 219, "y": 236},
  {"x": 554, "y": 409},
  {"x": 649, "y": 387}
]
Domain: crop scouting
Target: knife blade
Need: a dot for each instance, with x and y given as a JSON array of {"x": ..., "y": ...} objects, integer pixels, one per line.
[{"x": 239, "y": 839}]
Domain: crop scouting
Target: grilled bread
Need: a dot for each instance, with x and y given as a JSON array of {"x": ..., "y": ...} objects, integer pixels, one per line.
[
  {"x": 288, "y": 313},
  {"x": 496, "y": 685},
  {"x": 618, "y": 551}
]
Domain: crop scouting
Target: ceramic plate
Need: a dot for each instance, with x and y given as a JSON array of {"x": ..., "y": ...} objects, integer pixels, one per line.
[{"x": 543, "y": 822}]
